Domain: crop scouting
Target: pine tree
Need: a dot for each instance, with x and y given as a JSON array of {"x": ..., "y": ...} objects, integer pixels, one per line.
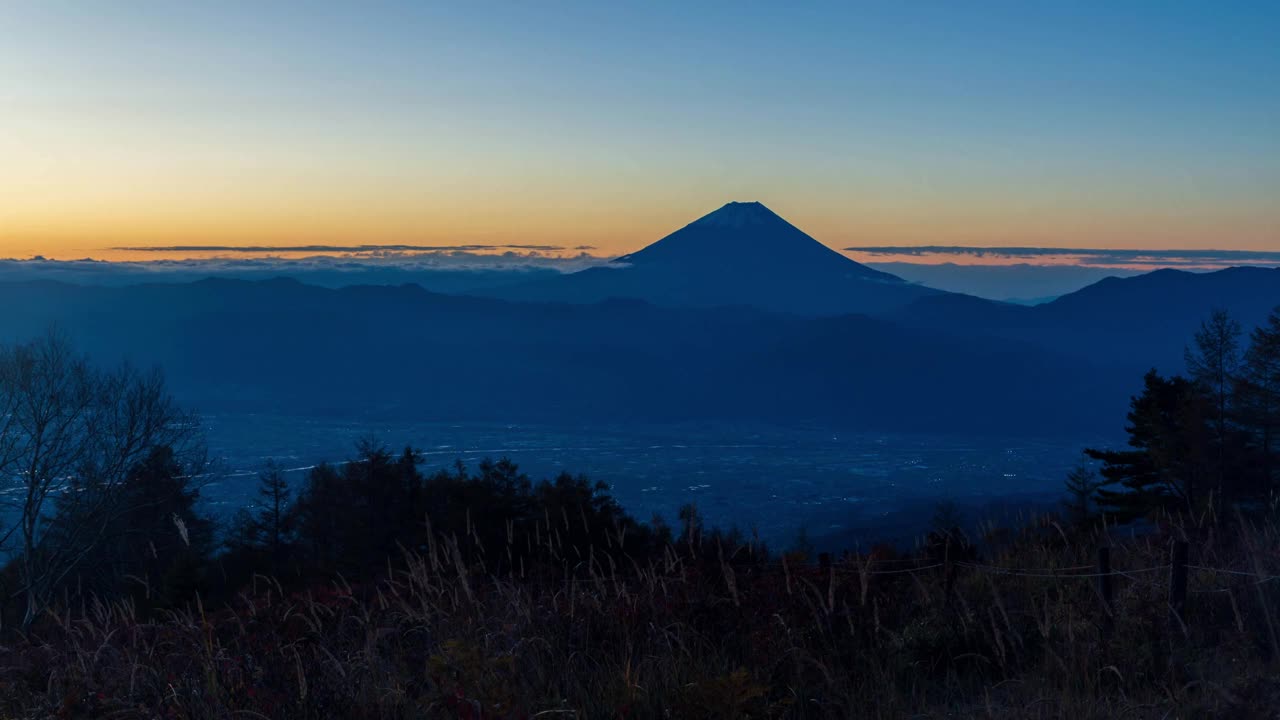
[
  {"x": 155, "y": 545},
  {"x": 273, "y": 518},
  {"x": 1213, "y": 363},
  {"x": 1258, "y": 391},
  {"x": 690, "y": 524},
  {"x": 1169, "y": 462},
  {"x": 1082, "y": 482}
]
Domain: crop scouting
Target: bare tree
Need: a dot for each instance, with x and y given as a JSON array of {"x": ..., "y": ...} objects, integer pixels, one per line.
[{"x": 72, "y": 433}]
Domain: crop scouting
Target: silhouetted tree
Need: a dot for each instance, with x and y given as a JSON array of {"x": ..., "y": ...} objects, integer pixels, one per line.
[
  {"x": 73, "y": 434},
  {"x": 273, "y": 519},
  {"x": 357, "y": 517},
  {"x": 320, "y": 516},
  {"x": 1213, "y": 362},
  {"x": 476, "y": 509},
  {"x": 264, "y": 536},
  {"x": 594, "y": 522},
  {"x": 1258, "y": 392},
  {"x": 1082, "y": 484},
  {"x": 1170, "y": 462},
  {"x": 154, "y": 545},
  {"x": 690, "y": 525},
  {"x": 662, "y": 533}
]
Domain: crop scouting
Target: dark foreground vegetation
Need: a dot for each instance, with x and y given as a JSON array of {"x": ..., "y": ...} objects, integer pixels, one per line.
[
  {"x": 693, "y": 634},
  {"x": 377, "y": 589}
]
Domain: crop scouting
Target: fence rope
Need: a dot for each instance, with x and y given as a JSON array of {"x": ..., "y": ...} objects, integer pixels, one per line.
[
  {"x": 1047, "y": 571},
  {"x": 844, "y": 569},
  {"x": 1129, "y": 573},
  {"x": 903, "y": 570},
  {"x": 1225, "y": 571},
  {"x": 848, "y": 572},
  {"x": 1070, "y": 572},
  {"x": 1036, "y": 573}
]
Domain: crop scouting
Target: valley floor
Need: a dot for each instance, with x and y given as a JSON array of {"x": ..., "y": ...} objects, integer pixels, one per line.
[{"x": 851, "y": 487}]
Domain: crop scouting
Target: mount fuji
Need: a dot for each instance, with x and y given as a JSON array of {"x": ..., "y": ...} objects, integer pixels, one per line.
[{"x": 743, "y": 254}]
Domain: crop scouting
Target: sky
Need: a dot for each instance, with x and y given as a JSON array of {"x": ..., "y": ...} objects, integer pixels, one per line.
[{"x": 1136, "y": 125}]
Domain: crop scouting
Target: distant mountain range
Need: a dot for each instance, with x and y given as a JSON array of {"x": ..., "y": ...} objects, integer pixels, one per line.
[
  {"x": 1022, "y": 283},
  {"x": 284, "y": 347},
  {"x": 742, "y": 254},
  {"x": 737, "y": 316},
  {"x": 1135, "y": 322}
]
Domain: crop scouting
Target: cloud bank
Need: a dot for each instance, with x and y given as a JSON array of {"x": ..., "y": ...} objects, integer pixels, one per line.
[
  {"x": 1018, "y": 273},
  {"x": 345, "y": 249},
  {"x": 444, "y": 269},
  {"x": 1081, "y": 257}
]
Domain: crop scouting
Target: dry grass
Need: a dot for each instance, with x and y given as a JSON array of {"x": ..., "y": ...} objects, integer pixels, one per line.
[{"x": 705, "y": 634}]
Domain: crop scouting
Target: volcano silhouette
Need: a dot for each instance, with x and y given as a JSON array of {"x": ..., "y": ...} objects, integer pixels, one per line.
[{"x": 743, "y": 254}]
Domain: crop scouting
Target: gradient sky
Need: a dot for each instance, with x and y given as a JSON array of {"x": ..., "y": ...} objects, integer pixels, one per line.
[{"x": 1068, "y": 124}]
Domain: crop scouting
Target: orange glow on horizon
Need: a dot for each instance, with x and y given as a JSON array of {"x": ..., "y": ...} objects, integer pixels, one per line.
[{"x": 71, "y": 234}]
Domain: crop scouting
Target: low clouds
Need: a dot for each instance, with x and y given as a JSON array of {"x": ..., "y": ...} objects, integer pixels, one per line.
[
  {"x": 1035, "y": 274},
  {"x": 349, "y": 249},
  {"x": 443, "y": 269},
  {"x": 1023, "y": 273},
  {"x": 1082, "y": 257}
]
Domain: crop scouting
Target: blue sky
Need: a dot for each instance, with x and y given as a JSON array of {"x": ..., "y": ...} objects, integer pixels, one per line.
[{"x": 1080, "y": 124}]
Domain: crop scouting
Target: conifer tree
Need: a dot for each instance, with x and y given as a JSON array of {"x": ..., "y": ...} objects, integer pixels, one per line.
[
  {"x": 1082, "y": 482},
  {"x": 1213, "y": 363},
  {"x": 1258, "y": 392},
  {"x": 1170, "y": 460},
  {"x": 273, "y": 519}
]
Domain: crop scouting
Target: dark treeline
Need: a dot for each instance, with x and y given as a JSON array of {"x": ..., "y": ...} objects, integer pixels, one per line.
[
  {"x": 351, "y": 518},
  {"x": 103, "y": 503}
]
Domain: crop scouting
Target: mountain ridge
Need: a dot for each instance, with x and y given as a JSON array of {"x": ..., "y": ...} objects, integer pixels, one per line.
[
  {"x": 406, "y": 352},
  {"x": 1140, "y": 321}
]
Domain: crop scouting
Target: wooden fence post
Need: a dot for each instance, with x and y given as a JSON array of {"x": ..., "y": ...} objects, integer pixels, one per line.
[
  {"x": 949, "y": 575},
  {"x": 1178, "y": 587},
  {"x": 1265, "y": 605},
  {"x": 1105, "y": 589}
]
